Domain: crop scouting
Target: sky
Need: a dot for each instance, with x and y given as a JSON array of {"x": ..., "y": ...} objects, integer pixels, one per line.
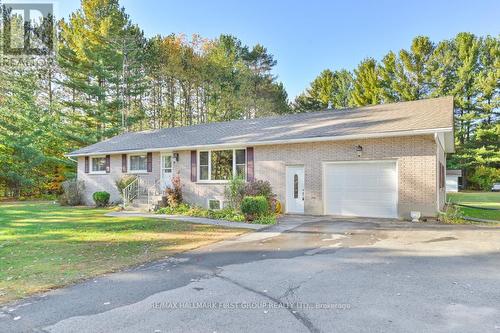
[{"x": 309, "y": 36}]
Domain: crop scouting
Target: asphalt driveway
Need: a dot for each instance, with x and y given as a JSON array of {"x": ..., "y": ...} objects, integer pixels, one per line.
[{"x": 326, "y": 275}]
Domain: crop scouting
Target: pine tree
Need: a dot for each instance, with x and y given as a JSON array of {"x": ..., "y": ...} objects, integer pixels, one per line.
[
  {"x": 330, "y": 89},
  {"x": 98, "y": 53},
  {"x": 367, "y": 86}
]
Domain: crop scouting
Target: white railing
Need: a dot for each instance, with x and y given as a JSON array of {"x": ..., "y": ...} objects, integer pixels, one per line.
[{"x": 130, "y": 192}]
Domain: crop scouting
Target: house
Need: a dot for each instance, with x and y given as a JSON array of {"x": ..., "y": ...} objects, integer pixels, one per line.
[
  {"x": 376, "y": 161},
  {"x": 453, "y": 180}
]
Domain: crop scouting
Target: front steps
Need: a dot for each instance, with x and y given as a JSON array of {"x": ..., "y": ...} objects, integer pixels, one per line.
[{"x": 141, "y": 203}]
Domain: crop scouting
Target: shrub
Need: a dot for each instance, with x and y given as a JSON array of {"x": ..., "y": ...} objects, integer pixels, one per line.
[
  {"x": 259, "y": 188},
  {"x": 184, "y": 209},
  {"x": 180, "y": 209},
  {"x": 262, "y": 188},
  {"x": 124, "y": 181},
  {"x": 234, "y": 192},
  {"x": 174, "y": 193},
  {"x": 452, "y": 214},
  {"x": 101, "y": 199},
  {"x": 254, "y": 207},
  {"x": 484, "y": 177},
  {"x": 228, "y": 214},
  {"x": 72, "y": 192},
  {"x": 266, "y": 219}
]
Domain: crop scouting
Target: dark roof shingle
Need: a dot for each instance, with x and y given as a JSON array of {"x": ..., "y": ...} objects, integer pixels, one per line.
[{"x": 397, "y": 117}]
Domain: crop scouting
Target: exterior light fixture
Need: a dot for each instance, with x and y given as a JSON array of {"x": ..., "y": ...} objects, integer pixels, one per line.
[
  {"x": 176, "y": 157},
  {"x": 359, "y": 150}
]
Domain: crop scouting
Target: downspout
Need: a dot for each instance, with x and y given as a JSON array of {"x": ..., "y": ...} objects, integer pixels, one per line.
[{"x": 69, "y": 157}]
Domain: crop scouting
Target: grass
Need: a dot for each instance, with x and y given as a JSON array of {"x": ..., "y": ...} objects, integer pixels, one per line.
[
  {"x": 44, "y": 245},
  {"x": 477, "y": 199}
]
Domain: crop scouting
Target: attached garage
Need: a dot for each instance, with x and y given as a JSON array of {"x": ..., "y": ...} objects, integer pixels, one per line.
[{"x": 361, "y": 188}]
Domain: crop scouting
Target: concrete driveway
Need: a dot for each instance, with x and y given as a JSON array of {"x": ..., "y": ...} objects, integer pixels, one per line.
[{"x": 306, "y": 275}]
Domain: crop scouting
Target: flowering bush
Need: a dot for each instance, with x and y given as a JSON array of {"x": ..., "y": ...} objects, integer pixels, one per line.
[{"x": 174, "y": 193}]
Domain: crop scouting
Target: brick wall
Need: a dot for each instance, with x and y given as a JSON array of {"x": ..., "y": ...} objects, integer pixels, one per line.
[
  {"x": 106, "y": 182},
  {"x": 417, "y": 158}
]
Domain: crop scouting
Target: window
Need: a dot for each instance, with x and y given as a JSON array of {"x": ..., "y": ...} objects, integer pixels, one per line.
[
  {"x": 214, "y": 204},
  {"x": 222, "y": 165},
  {"x": 204, "y": 165},
  {"x": 240, "y": 156},
  {"x": 99, "y": 164},
  {"x": 137, "y": 163},
  {"x": 166, "y": 163}
]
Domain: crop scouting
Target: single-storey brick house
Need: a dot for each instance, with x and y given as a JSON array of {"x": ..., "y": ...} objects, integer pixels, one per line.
[{"x": 378, "y": 161}]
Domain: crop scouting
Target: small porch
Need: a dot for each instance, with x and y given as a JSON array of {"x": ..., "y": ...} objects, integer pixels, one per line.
[{"x": 145, "y": 192}]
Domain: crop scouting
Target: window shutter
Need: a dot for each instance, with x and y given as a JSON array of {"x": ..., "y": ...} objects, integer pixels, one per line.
[
  {"x": 108, "y": 163},
  {"x": 124, "y": 163},
  {"x": 443, "y": 176},
  {"x": 250, "y": 164},
  {"x": 87, "y": 164},
  {"x": 440, "y": 175},
  {"x": 150, "y": 162},
  {"x": 193, "y": 166}
]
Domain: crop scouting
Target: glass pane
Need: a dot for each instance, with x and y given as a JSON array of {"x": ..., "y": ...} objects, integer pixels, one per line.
[
  {"x": 222, "y": 165},
  {"x": 204, "y": 158},
  {"x": 138, "y": 163},
  {"x": 240, "y": 156},
  {"x": 240, "y": 171},
  {"x": 99, "y": 164},
  {"x": 295, "y": 186},
  {"x": 214, "y": 204},
  {"x": 167, "y": 161},
  {"x": 204, "y": 172}
]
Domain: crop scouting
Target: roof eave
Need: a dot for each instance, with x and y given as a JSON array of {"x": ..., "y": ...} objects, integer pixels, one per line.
[{"x": 287, "y": 141}]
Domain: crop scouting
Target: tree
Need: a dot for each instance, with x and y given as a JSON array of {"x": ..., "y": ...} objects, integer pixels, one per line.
[
  {"x": 466, "y": 67},
  {"x": 99, "y": 54},
  {"x": 330, "y": 89},
  {"x": 367, "y": 88}
]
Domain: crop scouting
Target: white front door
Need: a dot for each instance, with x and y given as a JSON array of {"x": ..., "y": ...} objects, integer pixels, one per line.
[
  {"x": 166, "y": 170},
  {"x": 295, "y": 189}
]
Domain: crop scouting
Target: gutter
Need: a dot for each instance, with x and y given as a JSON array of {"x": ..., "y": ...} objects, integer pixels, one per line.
[{"x": 273, "y": 142}]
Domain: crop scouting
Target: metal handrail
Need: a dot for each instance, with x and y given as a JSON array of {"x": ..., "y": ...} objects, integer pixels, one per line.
[{"x": 130, "y": 192}]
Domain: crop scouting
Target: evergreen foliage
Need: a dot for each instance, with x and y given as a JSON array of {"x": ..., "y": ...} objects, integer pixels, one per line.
[{"x": 107, "y": 78}]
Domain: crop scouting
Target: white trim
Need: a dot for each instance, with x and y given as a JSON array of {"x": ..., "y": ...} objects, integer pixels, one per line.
[
  {"x": 219, "y": 181},
  {"x": 129, "y": 170},
  {"x": 163, "y": 180},
  {"x": 323, "y": 178},
  {"x": 102, "y": 172},
  {"x": 287, "y": 141}
]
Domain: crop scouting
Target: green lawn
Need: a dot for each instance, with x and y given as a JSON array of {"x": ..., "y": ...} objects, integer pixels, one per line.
[
  {"x": 477, "y": 199},
  {"x": 44, "y": 245}
]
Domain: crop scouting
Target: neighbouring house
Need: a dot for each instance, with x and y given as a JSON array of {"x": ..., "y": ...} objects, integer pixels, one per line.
[
  {"x": 453, "y": 180},
  {"x": 375, "y": 161}
]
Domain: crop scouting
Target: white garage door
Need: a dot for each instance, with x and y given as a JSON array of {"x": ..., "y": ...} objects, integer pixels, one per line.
[{"x": 361, "y": 189}]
